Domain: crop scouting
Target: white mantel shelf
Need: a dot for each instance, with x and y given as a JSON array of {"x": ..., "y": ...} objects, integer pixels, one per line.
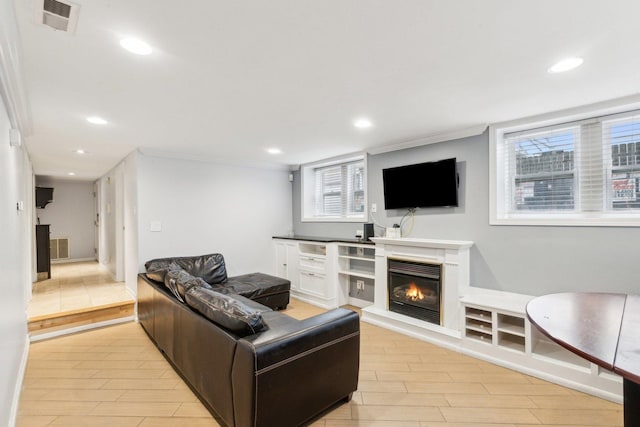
[{"x": 429, "y": 243}]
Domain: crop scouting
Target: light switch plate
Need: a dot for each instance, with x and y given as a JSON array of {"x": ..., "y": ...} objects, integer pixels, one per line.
[{"x": 155, "y": 226}]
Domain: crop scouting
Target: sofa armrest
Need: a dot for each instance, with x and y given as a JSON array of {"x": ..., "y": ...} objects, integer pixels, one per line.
[{"x": 294, "y": 371}]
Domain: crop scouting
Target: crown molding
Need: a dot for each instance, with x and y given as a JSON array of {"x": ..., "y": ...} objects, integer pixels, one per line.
[{"x": 431, "y": 139}]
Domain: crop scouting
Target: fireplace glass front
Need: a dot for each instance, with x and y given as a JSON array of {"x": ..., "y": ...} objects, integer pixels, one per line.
[{"x": 415, "y": 289}]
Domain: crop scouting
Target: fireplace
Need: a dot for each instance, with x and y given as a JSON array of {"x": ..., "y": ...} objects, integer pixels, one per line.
[{"x": 415, "y": 289}]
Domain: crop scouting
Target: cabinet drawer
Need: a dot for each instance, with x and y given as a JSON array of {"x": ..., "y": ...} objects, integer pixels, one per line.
[
  {"x": 312, "y": 283},
  {"x": 312, "y": 263}
]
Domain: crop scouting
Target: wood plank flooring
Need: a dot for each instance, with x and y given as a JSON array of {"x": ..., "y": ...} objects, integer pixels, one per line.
[
  {"x": 115, "y": 376},
  {"x": 78, "y": 294},
  {"x": 75, "y": 286}
]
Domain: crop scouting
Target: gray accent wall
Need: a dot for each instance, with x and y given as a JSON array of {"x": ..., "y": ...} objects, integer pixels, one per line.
[{"x": 533, "y": 260}]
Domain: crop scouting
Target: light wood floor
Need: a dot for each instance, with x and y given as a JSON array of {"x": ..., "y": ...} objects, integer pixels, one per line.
[
  {"x": 115, "y": 376},
  {"x": 75, "y": 286}
]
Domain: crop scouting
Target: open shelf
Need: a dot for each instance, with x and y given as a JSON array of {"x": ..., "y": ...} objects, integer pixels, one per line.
[
  {"x": 545, "y": 349},
  {"x": 312, "y": 249},
  {"x": 478, "y": 335},
  {"x": 360, "y": 258},
  {"x": 511, "y": 342},
  {"x": 477, "y": 314},
  {"x": 357, "y": 273},
  {"x": 356, "y": 252},
  {"x": 512, "y": 325},
  {"x": 478, "y": 324}
]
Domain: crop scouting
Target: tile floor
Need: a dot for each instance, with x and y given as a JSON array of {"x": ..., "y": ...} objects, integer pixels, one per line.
[
  {"x": 74, "y": 286},
  {"x": 115, "y": 376}
]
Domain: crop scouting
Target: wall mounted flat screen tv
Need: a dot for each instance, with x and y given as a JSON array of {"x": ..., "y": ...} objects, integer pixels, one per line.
[{"x": 422, "y": 185}]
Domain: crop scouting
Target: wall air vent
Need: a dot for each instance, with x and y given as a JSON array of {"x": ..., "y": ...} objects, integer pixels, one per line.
[{"x": 59, "y": 15}]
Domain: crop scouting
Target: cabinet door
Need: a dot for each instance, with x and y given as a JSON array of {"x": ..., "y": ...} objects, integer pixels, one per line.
[
  {"x": 287, "y": 262},
  {"x": 281, "y": 260},
  {"x": 312, "y": 283}
]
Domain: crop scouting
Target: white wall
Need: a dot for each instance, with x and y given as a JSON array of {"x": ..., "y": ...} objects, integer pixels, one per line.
[
  {"x": 107, "y": 222},
  {"x": 15, "y": 264},
  {"x": 71, "y": 215},
  {"x": 206, "y": 207},
  {"x": 130, "y": 216}
]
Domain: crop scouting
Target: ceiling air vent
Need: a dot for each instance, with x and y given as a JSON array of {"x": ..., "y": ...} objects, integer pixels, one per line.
[{"x": 58, "y": 15}]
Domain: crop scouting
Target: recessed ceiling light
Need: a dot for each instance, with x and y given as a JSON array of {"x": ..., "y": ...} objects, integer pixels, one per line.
[
  {"x": 274, "y": 151},
  {"x": 71, "y": 173},
  {"x": 96, "y": 120},
  {"x": 565, "y": 65},
  {"x": 136, "y": 46},
  {"x": 362, "y": 123},
  {"x": 80, "y": 151}
]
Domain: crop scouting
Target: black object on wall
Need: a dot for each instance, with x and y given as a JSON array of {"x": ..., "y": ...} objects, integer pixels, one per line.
[{"x": 44, "y": 196}]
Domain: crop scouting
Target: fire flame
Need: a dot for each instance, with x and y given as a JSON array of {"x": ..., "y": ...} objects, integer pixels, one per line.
[{"x": 414, "y": 293}]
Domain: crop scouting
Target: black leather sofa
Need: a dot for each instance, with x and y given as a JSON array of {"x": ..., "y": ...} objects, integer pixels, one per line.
[{"x": 250, "y": 365}]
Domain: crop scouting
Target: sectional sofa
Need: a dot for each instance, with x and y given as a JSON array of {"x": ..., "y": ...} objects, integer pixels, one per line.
[{"x": 248, "y": 363}]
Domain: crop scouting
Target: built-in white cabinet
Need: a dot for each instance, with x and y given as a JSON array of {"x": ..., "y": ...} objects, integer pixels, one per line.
[
  {"x": 487, "y": 324},
  {"x": 496, "y": 328},
  {"x": 287, "y": 261},
  {"x": 312, "y": 274},
  {"x": 327, "y": 274}
]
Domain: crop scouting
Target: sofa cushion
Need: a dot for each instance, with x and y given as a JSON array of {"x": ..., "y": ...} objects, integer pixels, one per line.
[
  {"x": 233, "y": 312},
  {"x": 178, "y": 281},
  {"x": 210, "y": 268},
  {"x": 254, "y": 285},
  {"x": 157, "y": 270}
]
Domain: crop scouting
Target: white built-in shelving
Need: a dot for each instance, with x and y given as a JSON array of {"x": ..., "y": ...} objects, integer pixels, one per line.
[
  {"x": 356, "y": 273},
  {"x": 496, "y": 328},
  {"x": 487, "y": 324}
]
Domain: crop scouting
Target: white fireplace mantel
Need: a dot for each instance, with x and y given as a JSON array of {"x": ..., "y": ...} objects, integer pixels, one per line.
[
  {"x": 454, "y": 257},
  {"x": 427, "y": 243}
]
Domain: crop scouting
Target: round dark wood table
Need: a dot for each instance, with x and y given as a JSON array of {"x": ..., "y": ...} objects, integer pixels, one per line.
[{"x": 603, "y": 328}]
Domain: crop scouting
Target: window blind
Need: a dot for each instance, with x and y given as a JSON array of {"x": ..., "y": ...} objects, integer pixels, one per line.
[
  {"x": 622, "y": 137},
  {"x": 339, "y": 189},
  {"x": 586, "y": 166}
]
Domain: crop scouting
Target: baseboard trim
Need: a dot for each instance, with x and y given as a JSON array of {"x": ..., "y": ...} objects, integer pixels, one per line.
[{"x": 13, "y": 416}]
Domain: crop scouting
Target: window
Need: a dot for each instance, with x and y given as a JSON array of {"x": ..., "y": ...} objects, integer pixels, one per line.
[
  {"x": 334, "y": 190},
  {"x": 572, "y": 172}
]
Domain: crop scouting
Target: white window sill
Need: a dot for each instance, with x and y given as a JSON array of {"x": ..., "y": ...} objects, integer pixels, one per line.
[
  {"x": 570, "y": 221},
  {"x": 335, "y": 219}
]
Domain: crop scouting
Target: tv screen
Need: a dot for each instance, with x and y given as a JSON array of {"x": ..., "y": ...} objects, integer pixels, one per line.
[{"x": 422, "y": 185}]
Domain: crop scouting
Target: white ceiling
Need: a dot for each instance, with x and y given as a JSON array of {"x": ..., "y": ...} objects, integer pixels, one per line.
[{"x": 229, "y": 79}]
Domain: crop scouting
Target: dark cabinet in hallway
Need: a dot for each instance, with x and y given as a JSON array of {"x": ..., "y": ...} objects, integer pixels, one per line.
[{"x": 43, "y": 250}]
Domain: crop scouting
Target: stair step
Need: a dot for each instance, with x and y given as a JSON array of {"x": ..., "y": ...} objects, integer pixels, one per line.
[{"x": 85, "y": 316}]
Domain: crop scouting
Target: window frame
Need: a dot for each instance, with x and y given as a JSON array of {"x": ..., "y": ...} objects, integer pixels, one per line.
[
  {"x": 308, "y": 187},
  {"x": 499, "y": 212}
]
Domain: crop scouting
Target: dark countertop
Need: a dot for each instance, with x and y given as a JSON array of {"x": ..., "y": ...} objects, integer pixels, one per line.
[{"x": 326, "y": 239}]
